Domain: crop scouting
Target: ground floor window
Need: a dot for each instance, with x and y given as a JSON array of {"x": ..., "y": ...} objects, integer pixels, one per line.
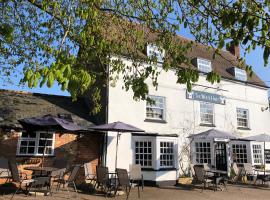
[
  {"x": 203, "y": 152},
  {"x": 143, "y": 153},
  {"x": 257, "y": 153},
  {"x": 36, "y": 143},
  {"x": 154, "y": 152},
  {"x": 166, "y": 154},
  {"x": 239, "y": 153}
]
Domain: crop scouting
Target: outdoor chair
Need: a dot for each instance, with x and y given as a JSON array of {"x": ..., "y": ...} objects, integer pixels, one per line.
[
  {"x": 4, "y": 169},
  {"x": 124, "y": 182},
  {"x": 62, "y": 166},
  {"x": 40, "y": 183},
  {"x": 237, "y": 173},
  {"x": 103, "y": 180},
  {"x": 135, "y": 174},
  {"x": 207, "y": 167},
  {"x": 71, "y": 179},
  {"x": 201, "y": 176},
  {"x": 18, "y": 178},
  {"x": 88, "y": 172},
  {"x": 249, "y": 172},
  {"x": 57, "y": 174}
]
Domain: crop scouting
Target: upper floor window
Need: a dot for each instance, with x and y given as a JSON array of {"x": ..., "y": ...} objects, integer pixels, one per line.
[
  {"x": 36, "y": 143},
  {"x": 204, "y": 65},
  {"x": 156, "y": 52},
  {"x": 143, "y": 153},
  {"x": 207, "y": 113},
  {"x": 156, "y": 110},
  {"x": 242, "y": 118},
  {"x": 203, "y": 152},
  {"x": 166, "y": 154},
  {"x": 240, "y": 74}
]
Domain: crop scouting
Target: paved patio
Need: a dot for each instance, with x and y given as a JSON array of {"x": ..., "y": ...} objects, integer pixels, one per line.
[{"x": 234, "y": 193}]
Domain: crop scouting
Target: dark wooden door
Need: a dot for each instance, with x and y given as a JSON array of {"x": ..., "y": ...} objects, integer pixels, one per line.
[{"x": 221, "y": 156}]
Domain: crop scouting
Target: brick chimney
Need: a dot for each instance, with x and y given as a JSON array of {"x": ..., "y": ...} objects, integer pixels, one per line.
[{"x": 234, "y": 49}]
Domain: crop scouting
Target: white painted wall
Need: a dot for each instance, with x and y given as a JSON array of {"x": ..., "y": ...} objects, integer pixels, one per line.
[{"x": 183, "y": 115}]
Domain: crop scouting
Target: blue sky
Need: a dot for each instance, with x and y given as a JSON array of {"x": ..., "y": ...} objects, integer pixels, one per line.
[{"x": 254, "y": 59}]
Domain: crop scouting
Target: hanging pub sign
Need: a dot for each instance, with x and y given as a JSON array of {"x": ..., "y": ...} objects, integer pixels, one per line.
[
  {"x": 267, "y": 156},
  {"x": 205, "y": 96}
]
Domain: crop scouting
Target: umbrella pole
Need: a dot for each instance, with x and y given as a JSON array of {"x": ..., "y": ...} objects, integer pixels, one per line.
[
  {"x": 116, "y": 150},
  {"x": 264, "y": 156},
  {"x": 44, "y": 149}
]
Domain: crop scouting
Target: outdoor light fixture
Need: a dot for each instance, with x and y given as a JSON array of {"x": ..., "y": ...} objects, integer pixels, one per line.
[{"x": 264, "y": 108}]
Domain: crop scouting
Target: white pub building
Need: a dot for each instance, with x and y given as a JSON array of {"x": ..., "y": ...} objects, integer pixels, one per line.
[{"x": 237, "y": 105}]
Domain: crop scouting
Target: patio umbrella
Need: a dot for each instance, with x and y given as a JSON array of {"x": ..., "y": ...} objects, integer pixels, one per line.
[
  {"x": 261, "y": 138},
  {"x": 213, "y": 134},
  {"x": 118, "y": 127},
  {"x": 49, "y": 122}
]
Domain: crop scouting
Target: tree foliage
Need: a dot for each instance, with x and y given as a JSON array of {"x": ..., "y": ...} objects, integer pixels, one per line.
[{"x": 72, "y": 41}]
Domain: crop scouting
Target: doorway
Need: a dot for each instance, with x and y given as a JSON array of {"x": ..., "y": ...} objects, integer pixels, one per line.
[{"x": 221, "y": 156}]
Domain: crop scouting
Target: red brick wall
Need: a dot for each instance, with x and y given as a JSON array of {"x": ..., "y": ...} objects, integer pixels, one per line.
[{"x": 76, "y": 149}]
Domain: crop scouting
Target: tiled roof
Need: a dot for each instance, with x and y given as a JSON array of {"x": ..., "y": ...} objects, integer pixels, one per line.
[
  {"x": 15, "y": 105},
  {"x": 221, "y": 63}
]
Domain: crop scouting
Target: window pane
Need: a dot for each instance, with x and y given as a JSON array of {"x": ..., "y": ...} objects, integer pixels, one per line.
[
  {"x": 203, "y": 152},
  {"x": 30, "y": 145},
  {"x": 166, "y": 154},
  {"x": 143, "y": 153},
  {"x": 207, "y": 113},
  {"x": 239, "y": 153},
  {"x": 156, "y": 110},
  {"x": 242, "y": 117}
]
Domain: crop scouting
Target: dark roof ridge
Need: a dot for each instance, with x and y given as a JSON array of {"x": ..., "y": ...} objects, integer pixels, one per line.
[
  {"x": 204, "y": 45},
  {"x": 32, "y": 93}
]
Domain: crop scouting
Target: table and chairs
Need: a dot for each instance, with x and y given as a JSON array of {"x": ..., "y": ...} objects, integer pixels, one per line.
[
  {"x": 111, "y": 182},
  {"x": 262, "y": 174},
  {"x": 211, "y": 176}
]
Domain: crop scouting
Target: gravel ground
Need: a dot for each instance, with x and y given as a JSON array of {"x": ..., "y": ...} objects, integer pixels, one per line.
[{"x": 235, "y": 192}]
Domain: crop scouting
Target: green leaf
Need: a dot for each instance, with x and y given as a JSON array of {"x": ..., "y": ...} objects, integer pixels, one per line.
[{"x": 50, "y": 80}]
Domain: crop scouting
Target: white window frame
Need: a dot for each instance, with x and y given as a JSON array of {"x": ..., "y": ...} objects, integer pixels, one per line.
[
  {"x": 213, "y": 113},
  {"x": 153, "y": 50},
  {"x": 153, "y": 106},
  {"x": 238, "y": 153},
  {"x": 152, "y": 152},
  {"x": 247, "y": 118},
  {"x": 201, "y": 154},
  {"x": 173, "y": 153},
  {"x": 257, "y": 154},
  {"x": 36, "y": 139},
  {"x": 240, "y": 74},
  {"x": 204, "y": 65}
]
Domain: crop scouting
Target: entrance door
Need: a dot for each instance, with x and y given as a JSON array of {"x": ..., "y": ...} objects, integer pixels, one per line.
[{"x": 221, "y": 156}]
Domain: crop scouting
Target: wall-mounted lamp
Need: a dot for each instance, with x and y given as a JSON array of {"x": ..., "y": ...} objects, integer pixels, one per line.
[{"x": 264, "y": 108}]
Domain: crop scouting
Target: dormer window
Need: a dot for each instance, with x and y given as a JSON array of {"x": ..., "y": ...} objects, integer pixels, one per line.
[
  {"x": 240, "y": 74},
  {"x": 204, "y": 65},
  {"x": 154, "y": 51}
]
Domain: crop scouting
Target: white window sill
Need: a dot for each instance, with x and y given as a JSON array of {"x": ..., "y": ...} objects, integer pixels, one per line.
[{"x": 162, "y": 121}]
